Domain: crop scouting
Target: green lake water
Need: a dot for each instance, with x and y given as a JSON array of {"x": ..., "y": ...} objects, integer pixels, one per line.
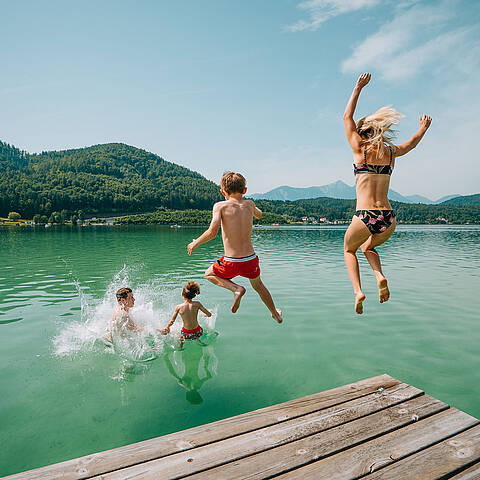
[{"x": 64, "y": 395}]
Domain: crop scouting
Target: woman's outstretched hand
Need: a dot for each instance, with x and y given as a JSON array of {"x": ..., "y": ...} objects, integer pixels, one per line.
[
  {"x": 425, "y": 121},
  {"x": 363, "y": 79}
]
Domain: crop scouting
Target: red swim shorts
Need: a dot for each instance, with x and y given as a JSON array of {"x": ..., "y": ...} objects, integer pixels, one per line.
[
  {"x": 229, "y": 267},
  {"x": 192, "y": 334}
]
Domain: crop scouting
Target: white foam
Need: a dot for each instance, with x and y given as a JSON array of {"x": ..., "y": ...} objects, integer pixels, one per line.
[{"x": 155, "y": 301}]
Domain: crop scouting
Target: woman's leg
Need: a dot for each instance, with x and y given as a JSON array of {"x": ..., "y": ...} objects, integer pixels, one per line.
[
  {"x": 356, "y": 234},
  {"x": 368, "y": 248}
]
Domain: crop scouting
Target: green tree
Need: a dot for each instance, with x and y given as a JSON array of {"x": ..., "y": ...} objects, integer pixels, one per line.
[
  {"x": 37, "y": 219},
  {"x": 43, "y": 219},
  {"x": 63, "y": 216},
  {"x": 14, "y": 216}
]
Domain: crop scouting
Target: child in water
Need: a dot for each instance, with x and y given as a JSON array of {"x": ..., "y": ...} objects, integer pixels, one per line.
[
  {"x": 188, "y": 310},
  {"x": 121, "y": 320}
]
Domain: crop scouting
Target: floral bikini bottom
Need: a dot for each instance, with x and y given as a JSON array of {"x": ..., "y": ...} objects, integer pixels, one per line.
[{"x": 377, "y": 221}]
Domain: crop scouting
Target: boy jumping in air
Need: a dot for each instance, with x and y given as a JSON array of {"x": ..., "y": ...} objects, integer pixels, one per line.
[{"x": 235, "y": 215}]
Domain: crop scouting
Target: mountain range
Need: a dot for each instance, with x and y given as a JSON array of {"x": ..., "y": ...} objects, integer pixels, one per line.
[
  {"x": 115, "y": 179},
  {"x": 340, "y": 189}
]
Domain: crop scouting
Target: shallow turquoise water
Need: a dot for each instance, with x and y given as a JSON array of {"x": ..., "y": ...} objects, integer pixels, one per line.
[{"x": 63, "y": 396}]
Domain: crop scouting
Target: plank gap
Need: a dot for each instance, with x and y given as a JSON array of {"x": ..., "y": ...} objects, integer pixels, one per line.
[
  {"x": 420, "y": 394},
  {"x": 423, "y": 449},
  {"x": 348, "y": 447},
  {"x": 376, "y": 392}
]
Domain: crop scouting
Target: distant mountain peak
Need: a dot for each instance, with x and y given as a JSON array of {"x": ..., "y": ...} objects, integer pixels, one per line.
[{"x": 338, "y": 189}]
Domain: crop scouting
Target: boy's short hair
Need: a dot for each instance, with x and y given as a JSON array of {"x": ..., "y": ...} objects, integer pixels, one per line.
[
  {"x": 190, "y": 290},
  {"x": 232, "y": 182},
  {"x": 123, "y": 293}
]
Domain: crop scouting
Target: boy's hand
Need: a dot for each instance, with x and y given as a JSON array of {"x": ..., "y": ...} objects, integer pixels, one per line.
[
  {"x": 192, "y": 246},
  {"x": 163, "y": 331},
  {"x": 363, "y": 79},
  {"x": 425, "y": 121}
]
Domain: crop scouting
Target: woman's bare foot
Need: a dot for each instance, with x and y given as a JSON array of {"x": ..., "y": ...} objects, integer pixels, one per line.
[
  {"x": 237, "y": 296},
  {"x": 359, "y": 298},
  {"x": 277, "y": 315},
  {"x": 383, "y": 291}
]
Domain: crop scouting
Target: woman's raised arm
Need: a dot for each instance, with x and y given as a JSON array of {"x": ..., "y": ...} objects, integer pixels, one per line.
[
  {"x": 425, "y": 121},
  {"x": 353, "y": 137}
]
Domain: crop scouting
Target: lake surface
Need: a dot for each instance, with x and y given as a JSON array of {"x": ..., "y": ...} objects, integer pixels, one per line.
[{"x": 65, "y": 394}]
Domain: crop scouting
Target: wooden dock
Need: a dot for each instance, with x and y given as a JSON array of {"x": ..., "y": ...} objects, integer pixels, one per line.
[{"x": 379, "y": 428}]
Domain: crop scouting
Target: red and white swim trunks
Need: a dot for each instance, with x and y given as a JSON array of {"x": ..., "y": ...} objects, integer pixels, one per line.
[
  {"x": 229, "y": 267},
  {"x": 192, "y": 334}
]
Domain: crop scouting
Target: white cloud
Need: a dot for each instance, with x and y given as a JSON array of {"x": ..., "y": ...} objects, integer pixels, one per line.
[
  {"x": 431, "y": 54},
  {"x": 415, "y": 39},
  {"x": 320, "y": 11},
  {"x": 436, "y": 46}
]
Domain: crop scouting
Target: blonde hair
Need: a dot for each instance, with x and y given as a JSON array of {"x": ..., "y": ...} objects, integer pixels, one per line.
[{"x": 375, "y": 129}]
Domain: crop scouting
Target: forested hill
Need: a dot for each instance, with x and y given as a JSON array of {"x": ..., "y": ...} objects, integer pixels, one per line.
[
  {"x": 100, "y": 179},
  {"x": 464, "y": 200}
]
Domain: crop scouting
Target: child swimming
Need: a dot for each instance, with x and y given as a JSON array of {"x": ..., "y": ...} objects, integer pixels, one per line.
[
  {"x": 188, "y": 311},
  {"x": 121, "y": 320}
]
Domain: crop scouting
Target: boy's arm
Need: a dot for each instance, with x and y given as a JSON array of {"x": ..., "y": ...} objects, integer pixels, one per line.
[
  {"x": 131, "y": 325},
  {"x": 404, "y": 148},
  {"x": 257, "y": 213},
  {"x": 353, "y": 137},
  {"x": 204, "y": 310},
  {"x": 170, "y": 323},
  {"x": 211, "y": 231}
]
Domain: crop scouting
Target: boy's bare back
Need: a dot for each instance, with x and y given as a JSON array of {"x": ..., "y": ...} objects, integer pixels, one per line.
[
  {"x": 236, "y": 217},
  {"x": 189, "y": 313}
]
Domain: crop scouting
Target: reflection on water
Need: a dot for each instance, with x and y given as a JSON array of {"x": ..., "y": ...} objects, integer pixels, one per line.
[
  {"x": 192, "y": 367},
  {"x": 57, "y": 293}
]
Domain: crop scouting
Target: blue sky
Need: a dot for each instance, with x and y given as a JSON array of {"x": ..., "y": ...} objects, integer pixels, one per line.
[{"x": 257, "y": 86}]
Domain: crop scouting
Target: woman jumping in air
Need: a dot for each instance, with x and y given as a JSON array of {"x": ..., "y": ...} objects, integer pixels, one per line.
[{"x": 374, "y": 155}]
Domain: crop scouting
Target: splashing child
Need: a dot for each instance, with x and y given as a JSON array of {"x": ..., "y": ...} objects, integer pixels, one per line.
[
  {"x": 188, "y": 311},
  {"x": 121, "y": 320}
]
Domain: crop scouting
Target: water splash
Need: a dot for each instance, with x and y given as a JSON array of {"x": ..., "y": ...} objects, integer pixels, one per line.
[{"x": 155, "y": 301}]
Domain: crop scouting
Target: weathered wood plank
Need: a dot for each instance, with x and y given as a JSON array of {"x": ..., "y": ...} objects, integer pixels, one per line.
[
  {"x": 208, "y": 456},
  {"x": 109, "y": 460},
  {"x": 306, "y": 450},
  {"x": 367, "y": 457},
  {"x": 472, "y": 473},
  {"x": 437, "y": 461}
]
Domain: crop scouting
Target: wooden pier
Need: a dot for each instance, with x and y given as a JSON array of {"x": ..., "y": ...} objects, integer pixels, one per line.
[{"x": 378, "y": 428}]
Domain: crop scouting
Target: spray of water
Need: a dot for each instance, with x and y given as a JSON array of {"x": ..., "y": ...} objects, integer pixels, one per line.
[{"x": 154, "y": 304}]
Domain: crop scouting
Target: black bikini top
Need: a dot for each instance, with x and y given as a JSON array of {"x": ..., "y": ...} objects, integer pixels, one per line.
[{"x": 370, "y": 168}]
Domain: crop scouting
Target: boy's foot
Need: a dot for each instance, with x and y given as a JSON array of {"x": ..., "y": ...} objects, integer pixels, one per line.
[
  {"x": 277, "y": 315},
  {"x": 359, "y": 298},
  {"x": 237, "y": 296},
  {"x": 383, "y": 291}
]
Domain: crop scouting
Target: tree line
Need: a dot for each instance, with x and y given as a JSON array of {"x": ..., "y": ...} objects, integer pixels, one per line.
[
  {"x": 103, "y": 179},
  {"x": 115, "y": 179}
]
